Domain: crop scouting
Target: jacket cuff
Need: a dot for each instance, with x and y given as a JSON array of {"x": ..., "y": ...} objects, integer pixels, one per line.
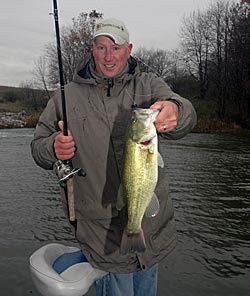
[{"x": 175, "y": 101}]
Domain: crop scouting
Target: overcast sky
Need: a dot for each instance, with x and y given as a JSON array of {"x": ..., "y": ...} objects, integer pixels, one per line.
[{"x": 26, "y": 27}]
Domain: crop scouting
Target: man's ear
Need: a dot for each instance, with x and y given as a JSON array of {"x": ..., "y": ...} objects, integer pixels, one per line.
[{"x": 130, "y": 47}]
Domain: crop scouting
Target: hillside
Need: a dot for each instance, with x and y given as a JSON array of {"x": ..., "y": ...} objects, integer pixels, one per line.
[
  {"x": 4, "y": 89},
  {"x": 17, "y": 99},
  {"x": 8, "y": 106}
]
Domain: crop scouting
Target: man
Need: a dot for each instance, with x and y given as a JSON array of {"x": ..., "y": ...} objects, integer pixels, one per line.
[{"x": 99, "y": 101}]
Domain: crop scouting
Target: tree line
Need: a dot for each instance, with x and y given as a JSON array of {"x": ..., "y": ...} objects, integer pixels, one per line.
[
  {"x": 211, "y": 63},
  {"x": 216, "y": 50}
]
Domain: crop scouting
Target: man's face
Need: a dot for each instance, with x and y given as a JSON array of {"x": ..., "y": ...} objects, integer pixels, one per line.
[{"x": 110, "y": 58}]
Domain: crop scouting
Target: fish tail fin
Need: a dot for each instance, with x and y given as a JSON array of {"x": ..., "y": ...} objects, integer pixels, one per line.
[{"x": 132, "y": 243}]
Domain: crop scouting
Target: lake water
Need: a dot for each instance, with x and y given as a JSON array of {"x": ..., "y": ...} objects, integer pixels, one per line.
[{"x": 210, "y": 185}]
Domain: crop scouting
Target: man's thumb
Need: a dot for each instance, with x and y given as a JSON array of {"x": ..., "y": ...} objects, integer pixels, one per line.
[{"x": 60, "y": 124}]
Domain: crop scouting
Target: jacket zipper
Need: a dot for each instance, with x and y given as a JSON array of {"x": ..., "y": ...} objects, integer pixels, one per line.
[{"x": 110, "y": 85}]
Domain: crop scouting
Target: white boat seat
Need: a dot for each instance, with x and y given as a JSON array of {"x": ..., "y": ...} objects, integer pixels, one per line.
[{"x": 59, "y": 270}]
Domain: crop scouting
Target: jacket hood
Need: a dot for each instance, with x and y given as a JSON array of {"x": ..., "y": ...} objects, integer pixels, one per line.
[{"x": 87, "y": 75}]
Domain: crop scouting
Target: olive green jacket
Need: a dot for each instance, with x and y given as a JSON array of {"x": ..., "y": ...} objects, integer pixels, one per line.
[{"x": 98, "y": 111}]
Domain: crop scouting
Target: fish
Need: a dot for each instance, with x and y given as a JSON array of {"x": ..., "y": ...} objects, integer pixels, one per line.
[{"x": 139, "y": 178}]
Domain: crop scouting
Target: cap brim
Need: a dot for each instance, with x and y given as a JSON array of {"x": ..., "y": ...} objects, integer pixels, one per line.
[{"x": 116, "y": 39}]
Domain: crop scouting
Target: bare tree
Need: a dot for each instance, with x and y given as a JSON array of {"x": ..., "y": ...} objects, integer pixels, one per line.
[
  {"x": 196, "y": 47},
  {"x": 40, "y": 75},
  {"x": 76, "y": 42},
  {"x": 168, "y": 64},
  {"x": 239, "y": 57},
  {"x": 158, "y": 61},
  {"x": 218, "y": 13}
]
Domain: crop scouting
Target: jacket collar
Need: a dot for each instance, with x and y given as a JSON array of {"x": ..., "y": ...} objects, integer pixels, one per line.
[{"x": 87, "y": 72}]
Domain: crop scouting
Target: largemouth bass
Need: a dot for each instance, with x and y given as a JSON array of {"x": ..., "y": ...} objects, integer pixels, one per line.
[{"x": 139, "y": 178}]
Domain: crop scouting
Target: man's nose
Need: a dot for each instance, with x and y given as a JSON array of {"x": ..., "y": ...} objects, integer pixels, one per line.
[{"x": 108, "y": 55}]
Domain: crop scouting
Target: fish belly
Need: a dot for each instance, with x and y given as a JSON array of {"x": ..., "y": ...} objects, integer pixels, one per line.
[{"x": 139, "y": 181}]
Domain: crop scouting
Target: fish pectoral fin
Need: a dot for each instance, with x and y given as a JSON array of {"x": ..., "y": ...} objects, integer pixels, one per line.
[
  {"x": 160, "y": 161},
  {"x": 153, "y": 208},
  {"x": 120, "y": 198}
]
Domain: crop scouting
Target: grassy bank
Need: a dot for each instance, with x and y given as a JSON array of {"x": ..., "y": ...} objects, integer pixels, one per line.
[
  {"x": 208, "y": 121},
  {"x": 15, "y": 100}
]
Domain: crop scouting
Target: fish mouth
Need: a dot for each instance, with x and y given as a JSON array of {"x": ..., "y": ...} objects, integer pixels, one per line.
[{"x": 147, "y": 141}]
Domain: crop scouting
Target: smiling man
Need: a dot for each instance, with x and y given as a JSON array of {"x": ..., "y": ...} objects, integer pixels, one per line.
[
  {"x": 110, "y": 57},
  {"x": 111, "y": 54},
  {"x": 99, "y": 101}
]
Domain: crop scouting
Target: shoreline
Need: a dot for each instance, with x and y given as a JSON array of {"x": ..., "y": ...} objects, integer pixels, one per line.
[{"x": 12, "y": 120}]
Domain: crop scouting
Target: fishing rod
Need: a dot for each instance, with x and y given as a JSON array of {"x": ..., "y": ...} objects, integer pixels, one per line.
[{"x": 64, "y": 169}]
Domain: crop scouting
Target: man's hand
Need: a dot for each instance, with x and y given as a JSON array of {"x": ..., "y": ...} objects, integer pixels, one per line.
[
  {"x": 64, "y": 146},
  {"x": 167, "y": 119}
]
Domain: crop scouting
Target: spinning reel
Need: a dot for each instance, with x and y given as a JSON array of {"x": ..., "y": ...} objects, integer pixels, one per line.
[{"x": 65, "y": 171}]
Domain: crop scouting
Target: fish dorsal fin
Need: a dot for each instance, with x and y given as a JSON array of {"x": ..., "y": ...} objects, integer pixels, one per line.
[
  {"x": 153, "y": 207},
  {"x": 120, "y": 198},
  {"x": 160, "y": 161}
]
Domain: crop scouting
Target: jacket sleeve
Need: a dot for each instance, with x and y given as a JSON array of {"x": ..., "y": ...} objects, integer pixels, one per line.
[
  {"x": 187, "y": 118},
  {"x": 46, "y": 130}
]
